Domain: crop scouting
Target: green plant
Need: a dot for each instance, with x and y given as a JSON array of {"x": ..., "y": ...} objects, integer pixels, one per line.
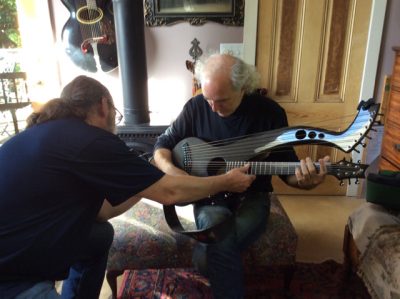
[{"x": 9, "y": 33}]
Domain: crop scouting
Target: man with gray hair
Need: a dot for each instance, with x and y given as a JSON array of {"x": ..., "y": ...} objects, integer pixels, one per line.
[{"x": 229, "y": 108}]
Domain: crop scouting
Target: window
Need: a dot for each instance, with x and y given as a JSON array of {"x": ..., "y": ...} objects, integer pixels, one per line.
[{"x": 10, "y": 38}]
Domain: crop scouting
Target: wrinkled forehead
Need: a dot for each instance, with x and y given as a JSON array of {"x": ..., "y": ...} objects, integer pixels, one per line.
[{"x": 217, "y": 82}]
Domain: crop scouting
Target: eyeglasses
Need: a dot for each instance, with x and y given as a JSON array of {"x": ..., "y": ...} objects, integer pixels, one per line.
[{"x": 118, "y": 116}]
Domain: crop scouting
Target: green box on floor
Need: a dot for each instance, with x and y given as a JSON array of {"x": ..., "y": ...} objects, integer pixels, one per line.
[{"x": 383, "y": 188}]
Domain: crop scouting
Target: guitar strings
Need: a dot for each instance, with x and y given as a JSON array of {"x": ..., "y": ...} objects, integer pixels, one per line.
[
  {"x": 294, "y": 127},
  {"x": 244, "y": 143},
  {"x": 90, "y": 30},
  {"x": 275, "y": 133},
  {"x": 282, "y": 168},
  {"x": 95, "y": 27},
  {"x": 213, "y": 164},
  {"x": 217, "y": 164},
  {"x": 245, "y": 149},
  {"x": 276, "y": 167},
  {"x": 234, "y": 164},
  {"x": 199, "y": 164},
  {"x": 242, "y": 147}
]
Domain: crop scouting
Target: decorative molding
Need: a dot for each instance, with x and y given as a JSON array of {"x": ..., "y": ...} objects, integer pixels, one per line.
[
  {"x": 286, "y": 52},
  {"x": 233, "y": 18},
  {"x": 335, "y": 50}
]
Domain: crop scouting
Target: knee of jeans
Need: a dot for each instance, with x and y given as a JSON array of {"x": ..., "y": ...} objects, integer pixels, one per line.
[
  {"x": 205, "y": 218},
  {"x": 199, "y": 259}
]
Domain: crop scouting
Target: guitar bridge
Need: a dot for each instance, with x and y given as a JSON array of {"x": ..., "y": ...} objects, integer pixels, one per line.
[
  {"x": 89, "y": 41},
  {"x": 187, "y": 157}
]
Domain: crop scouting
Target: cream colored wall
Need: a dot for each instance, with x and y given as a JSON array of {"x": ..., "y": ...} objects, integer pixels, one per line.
[{"x": 167, "y": 50}]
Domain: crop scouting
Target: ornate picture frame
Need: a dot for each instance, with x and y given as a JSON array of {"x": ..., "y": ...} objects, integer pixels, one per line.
[{"x": 196, "y": 12}]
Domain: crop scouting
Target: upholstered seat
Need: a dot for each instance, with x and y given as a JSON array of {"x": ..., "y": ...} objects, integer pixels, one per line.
[
  {"x": 143, "y": 240},
  {"x": 371, "y": 248}
]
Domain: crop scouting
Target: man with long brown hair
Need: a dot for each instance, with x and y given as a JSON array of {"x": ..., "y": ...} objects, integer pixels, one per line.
[{"x": 61, "y": 179}]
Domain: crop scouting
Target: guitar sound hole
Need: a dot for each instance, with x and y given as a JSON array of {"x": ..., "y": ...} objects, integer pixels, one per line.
[
  {"x": 216, "y": 166},
  {"x": 88, "y": 16},
  {"x": 301, "y": 134},
  {"x": 312, "y": 135}
]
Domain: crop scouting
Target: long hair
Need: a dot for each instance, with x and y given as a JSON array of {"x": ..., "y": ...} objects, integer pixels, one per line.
[
  {"x": 243, "y": 76},
  {"x": 76, "y": 100}
]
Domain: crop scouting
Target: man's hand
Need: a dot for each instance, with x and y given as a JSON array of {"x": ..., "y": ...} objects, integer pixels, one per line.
[
  {"x": 239, "y": 180},
  {"x": 307, "y": 175}
]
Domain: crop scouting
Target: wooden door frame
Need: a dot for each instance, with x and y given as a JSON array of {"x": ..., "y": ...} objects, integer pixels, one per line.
[{"x": 368, "y": 79}]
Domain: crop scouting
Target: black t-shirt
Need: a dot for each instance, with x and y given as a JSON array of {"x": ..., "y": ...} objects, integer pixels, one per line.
[
  {"x": 53, "y": 180},
  {"x": 255, "y": 114}
]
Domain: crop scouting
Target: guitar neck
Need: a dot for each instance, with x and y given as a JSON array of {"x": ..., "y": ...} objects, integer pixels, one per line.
[{"x": 271, "y": 168}]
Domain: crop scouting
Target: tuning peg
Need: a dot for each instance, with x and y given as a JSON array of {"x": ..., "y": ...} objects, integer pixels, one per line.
[
  {"x": 356, "y": 150},
  {"x": 341, "y": 183},
  {"x": 363, "y": 144},
  {"x": 372, "y": 129},
  {"x": 366, "y": 136}
]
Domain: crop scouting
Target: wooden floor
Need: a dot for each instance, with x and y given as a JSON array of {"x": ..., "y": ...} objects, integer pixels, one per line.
[{"x": 319, "y": 222}]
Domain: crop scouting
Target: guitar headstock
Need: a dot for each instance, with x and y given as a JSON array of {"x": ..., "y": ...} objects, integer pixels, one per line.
[
  {"x": 366, "y": 118},
  {"x": 346, "y": 141},
  {"x": 347, "y": 170}
]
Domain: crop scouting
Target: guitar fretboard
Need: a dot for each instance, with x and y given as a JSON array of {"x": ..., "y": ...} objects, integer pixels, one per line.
[{"x": 272, "y": 168}]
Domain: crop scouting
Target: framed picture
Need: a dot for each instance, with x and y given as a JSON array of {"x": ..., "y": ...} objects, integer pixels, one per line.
[{"x": 196, "y": 12}]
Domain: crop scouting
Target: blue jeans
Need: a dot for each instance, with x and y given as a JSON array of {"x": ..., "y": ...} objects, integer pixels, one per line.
[
  {"x": 221, "y": 262},
  {"x": 86, "y": 276}
]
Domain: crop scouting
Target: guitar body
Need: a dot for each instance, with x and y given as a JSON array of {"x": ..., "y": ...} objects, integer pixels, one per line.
[
  {"x": 200, "y": 158},
  {"x": 89, "y": 35}
]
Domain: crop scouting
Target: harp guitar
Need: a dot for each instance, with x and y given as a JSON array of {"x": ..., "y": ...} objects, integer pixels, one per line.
[
  {"x": 88, "y": 36},
  {"x": 203, "y": 159},
  {"x": 199, "y": 158}
]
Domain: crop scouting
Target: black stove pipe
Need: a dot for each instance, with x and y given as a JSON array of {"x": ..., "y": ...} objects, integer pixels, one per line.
[{"x": 131, "y": 49}]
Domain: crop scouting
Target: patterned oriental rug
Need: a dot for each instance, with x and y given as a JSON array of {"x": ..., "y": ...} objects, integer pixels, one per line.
[{"x": 310, "y": 281}]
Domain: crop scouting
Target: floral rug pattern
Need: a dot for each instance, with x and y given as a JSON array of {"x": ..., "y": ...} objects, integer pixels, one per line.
[{"x": 327, "y": 280}]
